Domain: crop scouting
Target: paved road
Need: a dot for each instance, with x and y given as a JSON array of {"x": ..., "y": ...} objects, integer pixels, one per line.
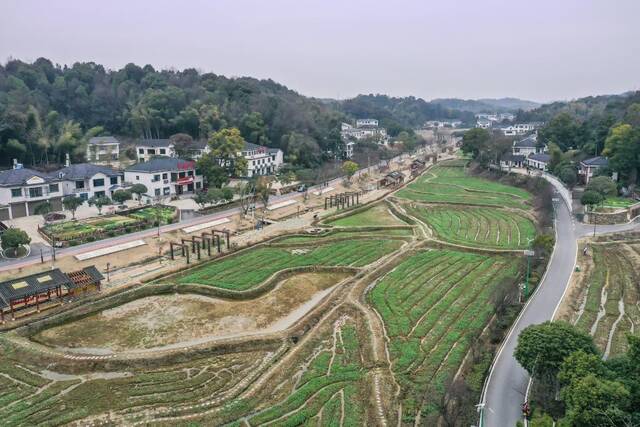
[{"x": 507, "y": 382}]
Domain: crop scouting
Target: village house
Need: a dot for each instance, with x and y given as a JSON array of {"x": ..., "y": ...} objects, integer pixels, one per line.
[
  {"x": 539, "y": 161},
  {"x": 518, "y": 129},
  {"x": 165, "y": 176},
  {"x": 87, "y": 180},
  {"x": 149, "y": 148},
  {"x": 103, "y": 149},
  {"x": 364, "y": 129},
  {"x": 527, "y": 146},
  {"x": 22, "y": 190},
  {"x": 589, "y": 167},
  {"x": 510, "y": 160},
  {"x": 261, "y": 160}
]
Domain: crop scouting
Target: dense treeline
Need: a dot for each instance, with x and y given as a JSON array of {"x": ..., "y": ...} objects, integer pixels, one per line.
[
  {"x": 47, "y": 110},
  {"x": 398, "y": 114}
]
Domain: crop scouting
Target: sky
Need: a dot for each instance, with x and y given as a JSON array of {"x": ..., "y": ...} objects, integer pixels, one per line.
[{"x": 540, "y": 50}]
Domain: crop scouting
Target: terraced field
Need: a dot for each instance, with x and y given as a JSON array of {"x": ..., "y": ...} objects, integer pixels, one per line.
[
  {"x": 377, "y": 215},
  {"x": 250, "y": 268},
  {"x": 434, "y": 304},
  {"x": 448, "y": 182},
  {"x": 338, "y": 234},
  {"x": 608, "y": 305},
  {"x": 476, "y": 226}
]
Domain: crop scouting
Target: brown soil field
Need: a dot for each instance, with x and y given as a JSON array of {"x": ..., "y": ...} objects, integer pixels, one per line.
[{"x": 186, "y": 319}]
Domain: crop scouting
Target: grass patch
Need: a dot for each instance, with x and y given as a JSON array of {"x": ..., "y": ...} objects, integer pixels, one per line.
[{"x": 377, "y": 215}]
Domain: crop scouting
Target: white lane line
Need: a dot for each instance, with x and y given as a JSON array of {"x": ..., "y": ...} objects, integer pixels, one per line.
[
  {"x": 282, "y": 204},
  {"x": 209, "y": 224},
  {"x": 109, "y": 250}
]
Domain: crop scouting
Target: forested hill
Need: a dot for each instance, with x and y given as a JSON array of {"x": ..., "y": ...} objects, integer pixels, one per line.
[
  {"x": 396, "y": 113},
  {"x": 487, "y": 105},
  {"x": 584, "y": 108}
]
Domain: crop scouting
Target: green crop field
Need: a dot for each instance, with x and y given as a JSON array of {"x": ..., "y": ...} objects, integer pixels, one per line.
[
  {"x": 151, "y": 213},
  {"x": 72, "y": 229},
  {"x": 619, "y": 202},
  {"x": 448, "y": 182},
  {"x": 338, "y": 234},
  {"x": 250, "y": 268},
  {"x": 476, "y": 226},
  {"x": 329, "y": 385},
  {"x": 377, "y": 215},
  {"x": 611, "y": 298},
  {"x": 434, "y": 305}
]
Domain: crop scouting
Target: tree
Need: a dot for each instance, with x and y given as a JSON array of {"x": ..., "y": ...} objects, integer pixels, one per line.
[
  {"x": 202, "y": 199},
  {"x": 542, "y": 348},
  {"x": 622, "y": 147},
  {"x": 263, "y": 190},
  {"x": 568, "y": 175},
  {"x": 227, "y": 194},
  {"x": 43, "y": 208},
  {"x": 121, "y": 196},
  {"x": 14, "y": 238},
  {"x": 181, "y": 143},
  {"x": 594, "y": 402},
  {"x": 301, "y": 149},
  {"x": 226, "y": 148},
  {"x": 349, "y": 168},
  {"x": 138, "y": 190},
  {"x": 214, "y": 174},
  {"x": 543, "y": 244},
  {"x": 72, "y": 203},
  {"x": 602, "y": 185},
  {"x": 247, "y": 193},
  {"x": 99, "y": 202},
  {"x": 476, "y": 141},
  {"x": 563, "y": 130},
  {"x": 591, "y": 198},
  {"x": 580, "y": 364}
]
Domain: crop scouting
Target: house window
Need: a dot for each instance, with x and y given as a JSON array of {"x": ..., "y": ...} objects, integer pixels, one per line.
[
  {"x": 157, "y": 191},
  {"x": 174, "y": 177},
  {"x": 54, "y": 188},
  {"x": 35, "y": 192},
  {"x": 182, "y": 174},
  {"x": 151, "y": 151},
  {"x": 99, "y": 194},
  {"x": 190, "y": 173},
  {"x": 79, "y": 184},
  {"x": 16, "y": 192},
  {"x": 99, "y": 182},
  {"x": 165, "y": 176},
  {"x": 198, "y": 185},
  {"x": 140, "y": 150},
  {"x": 84, "y": 196},
  {"x": 156, "y": 178},
  {"x": 163, "y": 151},
  {"x": 137, "y": 177},
  {"x": 166, "y": 190},
  {"x": 113, "y": 180}
]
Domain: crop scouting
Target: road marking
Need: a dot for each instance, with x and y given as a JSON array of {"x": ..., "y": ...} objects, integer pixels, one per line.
[
  {"x": 282, "y": 205},
  {"x": 324, "y": 190},
  {"x": 109, "y": 250},
  {"x": 209, "y": 224}
]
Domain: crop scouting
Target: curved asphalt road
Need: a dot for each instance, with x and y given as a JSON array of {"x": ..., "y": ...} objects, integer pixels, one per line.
[{"x": 507, "y": 382}]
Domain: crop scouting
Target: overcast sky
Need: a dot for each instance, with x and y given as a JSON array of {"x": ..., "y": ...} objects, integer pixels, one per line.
[{"x": 540, "y": 50}]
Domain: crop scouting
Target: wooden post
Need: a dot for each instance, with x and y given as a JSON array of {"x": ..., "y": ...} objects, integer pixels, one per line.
[
  {"x": 13, "y": 314},
  {"x": 193, "y": 244},
  {"x": 186, "y": 252},
  {"x": 209, "y": 246},
  {"x": 171, "y": 249},
  {"x": 198, "y": 246},
  {"x": 218, "y": 243},
  {"x": 38, "y": 302}
]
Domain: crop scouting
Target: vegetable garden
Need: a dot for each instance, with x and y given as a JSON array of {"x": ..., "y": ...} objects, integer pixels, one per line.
[
  {"x": 250, "y": 268},
  {"x": 609, "y": 302},
  {"x": 476, "y": 226},
  {"x": 434, "y": 305}
]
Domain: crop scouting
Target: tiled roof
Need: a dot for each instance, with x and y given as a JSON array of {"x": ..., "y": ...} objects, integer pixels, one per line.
[
  {"x": 155, "y": 143},
  {"x": 540, "y": 157},
  {"x": 528, "y": 142},
  {"x": 159, "y": 164},
  {"x": 103, "y": 139},
  {"x": 595, "y": 161},
  {"x": 13, "y": 177},
  {"x": 85, "y": 170}
]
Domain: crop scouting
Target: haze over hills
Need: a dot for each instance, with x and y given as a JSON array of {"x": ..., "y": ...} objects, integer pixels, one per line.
[{"x": 487, "y": 105}]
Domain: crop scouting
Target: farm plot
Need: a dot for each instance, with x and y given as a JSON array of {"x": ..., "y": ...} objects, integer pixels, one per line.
[
  {"x": 610, "y": 297},
  {"x": 476, "y": 226},
  {"x": 163, "y": 320},
  {"x": 339, "y": 234},
  {"x": 377, "y": 215},
  {"x": 449, "y": 183},
  {"x": 326, "y": 388},
  {"x": 75, "y": 229},
  {"x": 250, "y": 268},
  {"x": 165, "y": 214},
  {"x": 35, "y": 395},
  {"x": 434, "y": 305}
]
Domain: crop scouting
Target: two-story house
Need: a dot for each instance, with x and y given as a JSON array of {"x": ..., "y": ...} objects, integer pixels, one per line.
[
  {"x": 527, "y": 146},
  {"x": 22, "y": 190},
  {"x": 589, "y": 167},
  {"x": 86, "y": 180},
  {"x": 149, "y": 148},
  {"x": 261, "y": 160},
  {"x": 103, "y": 149},
  {"x": 165, "y": 176}
]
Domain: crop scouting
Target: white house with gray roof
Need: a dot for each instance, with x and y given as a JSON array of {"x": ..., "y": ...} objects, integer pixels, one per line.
[
  {"x": 87, "y": 180},
  {"x": 103, "y": 149},
  {"x": 146, "y": 149},
  {"x": 165, "y": 176},
  {"x": 22, "y": 190},
  {"x": 261, "y": 160}
]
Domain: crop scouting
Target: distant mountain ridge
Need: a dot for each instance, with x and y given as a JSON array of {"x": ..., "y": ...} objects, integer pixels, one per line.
[{"x": 487, "y": 105}]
